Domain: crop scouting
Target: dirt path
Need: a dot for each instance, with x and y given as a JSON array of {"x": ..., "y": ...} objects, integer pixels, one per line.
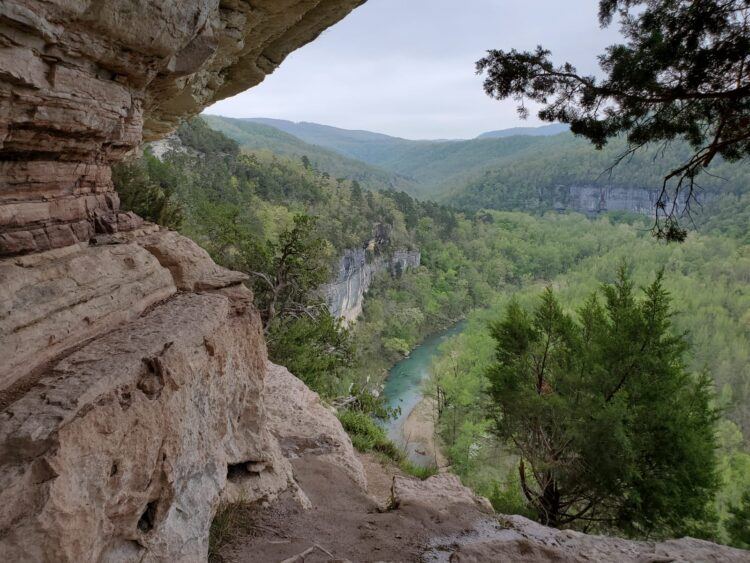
[{"x": 344, "y": 521}]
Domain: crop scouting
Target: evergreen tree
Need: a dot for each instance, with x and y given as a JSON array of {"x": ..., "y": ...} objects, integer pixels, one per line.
[
  {"x": 682, "y": 73},
  {"x": 610, "y": 428},
  {"x": 738, "y": 525},
  {"x": 147, "y": 187},
  {"x": 287, "y": 273}
]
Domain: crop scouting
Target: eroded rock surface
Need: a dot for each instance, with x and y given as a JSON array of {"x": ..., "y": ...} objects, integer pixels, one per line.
[
  {"x": 82, "y": 82},
  {"x": 304, "y": 427},
  {"x": 514, "y": 538},
  {"x": 122, "y": 449}
]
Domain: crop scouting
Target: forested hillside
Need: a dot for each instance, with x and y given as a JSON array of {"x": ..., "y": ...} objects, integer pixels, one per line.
[
  {"x": 256, "y": 137},
  {"x": 707, "y": 278},
  {"x": 531, "y": 171},
  {"x": 284, "y": 222}
]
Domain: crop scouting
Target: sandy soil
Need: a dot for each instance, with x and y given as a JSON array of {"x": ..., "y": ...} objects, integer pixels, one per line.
[{"x": 419, "y": 431}]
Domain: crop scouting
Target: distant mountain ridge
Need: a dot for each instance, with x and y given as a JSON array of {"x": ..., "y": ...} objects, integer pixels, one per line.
[
  {"x": 526, "y": 168},
  {"x": 541, "y": 131},
  {"x": 262, "y": 135},
  {"x": 432, "y": 166}
]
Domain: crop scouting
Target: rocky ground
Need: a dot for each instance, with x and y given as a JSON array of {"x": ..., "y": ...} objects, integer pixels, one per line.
[{"x": 394, "y": 517}]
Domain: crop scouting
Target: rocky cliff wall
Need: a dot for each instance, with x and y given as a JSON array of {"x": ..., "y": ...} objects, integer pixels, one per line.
[
  {"x": 599, "y": 199},
  {"x": 132, "y": 368},
  {"x": 345, "y": 295},
  {"x": 82, "y": 82}
]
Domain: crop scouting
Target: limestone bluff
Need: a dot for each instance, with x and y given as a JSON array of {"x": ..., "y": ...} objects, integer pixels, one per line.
[
  {"x": 135, "y": 392},
  {"x": 133, "y": 367}
]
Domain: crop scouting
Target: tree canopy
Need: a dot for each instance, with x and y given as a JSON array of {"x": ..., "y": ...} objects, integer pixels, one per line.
[
  {"x": 682, "y": 73},
  {"x": 609, "y": 426}
]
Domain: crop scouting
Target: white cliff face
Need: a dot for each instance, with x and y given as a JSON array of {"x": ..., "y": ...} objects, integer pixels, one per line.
[
  {"x": 599, "y": 199},
  {"x": 345, "y": 295}
]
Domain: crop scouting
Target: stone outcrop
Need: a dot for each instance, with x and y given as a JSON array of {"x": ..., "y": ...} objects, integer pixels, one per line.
[
  {"x": 304, "y": 427},
  {"x": 356, "y": 271},
  {"x": 515, "y": 538},
  {"x": 122, "y": 448},
  {"x": 136, "y": 397},
  {"x": 591, "y": 200},
  {"x": 83, "y": 82}
]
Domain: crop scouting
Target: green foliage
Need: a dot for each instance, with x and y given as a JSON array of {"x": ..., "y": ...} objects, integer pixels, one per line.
[
  {"x": 287, "y": 272},
  {"x": 508, "y": 499},
  {"x": 738, "y": 525},
  {"x": 317, "y": 349},
  {"x": 147, "y": 187},
  {"x": 611, "y": 425},
  {"x": 538, "y": 179},
  {"x": 262, "y": 140},
  {"x": 366, "y": 435},
  {"x": 197, "y": 135}
]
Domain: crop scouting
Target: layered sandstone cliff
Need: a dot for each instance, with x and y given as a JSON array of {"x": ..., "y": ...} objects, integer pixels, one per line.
[
  {"x": 132, "y": 368},
  {"x": 82, "y": 82}
]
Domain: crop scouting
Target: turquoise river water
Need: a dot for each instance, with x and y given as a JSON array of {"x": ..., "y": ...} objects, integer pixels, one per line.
[{"x": 403, "y": 387}]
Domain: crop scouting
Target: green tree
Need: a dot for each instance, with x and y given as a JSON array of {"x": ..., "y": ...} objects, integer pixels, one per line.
[
  {"x": 286, "y": 273},
  {"x": 681, "y": 74},
  {"x": 315, "y": 349},
  {"x": 147, "y": 187},
  {"x": 738, "y": 525},
  {"x": 610, "y": 427}
]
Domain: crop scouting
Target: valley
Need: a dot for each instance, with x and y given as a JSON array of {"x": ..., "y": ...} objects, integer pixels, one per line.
[
  {"x": 249, "y": 339},
  {"x": 402, "y": 272}
]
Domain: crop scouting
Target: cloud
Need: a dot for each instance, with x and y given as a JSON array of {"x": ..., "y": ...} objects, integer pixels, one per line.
[{"x": 406, "y": 67}]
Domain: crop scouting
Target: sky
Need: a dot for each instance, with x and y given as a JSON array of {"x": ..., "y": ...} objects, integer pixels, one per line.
[{"x": 406, "y": 67}]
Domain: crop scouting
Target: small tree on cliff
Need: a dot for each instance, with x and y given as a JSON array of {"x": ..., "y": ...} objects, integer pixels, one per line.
[
  {"x": 683, "y": 73},
  {"x": 610, "y": 429},
  {"x": 286, "y": 273}
]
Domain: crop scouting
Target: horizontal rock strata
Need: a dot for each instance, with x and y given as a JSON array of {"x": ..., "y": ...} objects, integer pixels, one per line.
[
  {"x": 81, "y": 84},
  {"x": 123, "y": 447}
]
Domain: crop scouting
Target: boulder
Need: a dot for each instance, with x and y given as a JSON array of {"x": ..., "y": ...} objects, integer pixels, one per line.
[
  {"x": 121, "y": 452},
  {"x": 515, "y": 538},
  {"x": 304, "y": 427}
]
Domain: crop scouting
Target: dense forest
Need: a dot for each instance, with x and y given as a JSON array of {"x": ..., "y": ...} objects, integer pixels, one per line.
[
  {"x": 708, "y": 279},
  {"x": 285, "y": 219},
  {"x": 500, "y": 170}
]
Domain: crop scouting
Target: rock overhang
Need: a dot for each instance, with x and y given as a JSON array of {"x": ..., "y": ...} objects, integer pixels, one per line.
[{"x": 84, "y": 82}]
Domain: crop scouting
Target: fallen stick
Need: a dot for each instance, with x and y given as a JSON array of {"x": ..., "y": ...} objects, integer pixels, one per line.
[{"x": 300, "y": 557}]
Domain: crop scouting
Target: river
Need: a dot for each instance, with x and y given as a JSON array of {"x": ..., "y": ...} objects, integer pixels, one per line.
[{"x": 403, "y": 388}]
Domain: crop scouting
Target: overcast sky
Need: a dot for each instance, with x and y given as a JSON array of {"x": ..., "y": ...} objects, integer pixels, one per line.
[{"x": 406, "y": 67}]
